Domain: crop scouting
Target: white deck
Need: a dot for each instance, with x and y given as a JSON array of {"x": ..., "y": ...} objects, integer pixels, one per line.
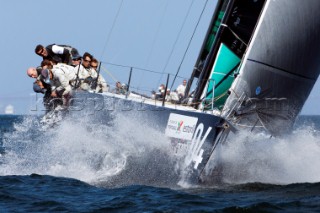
[{"x": 141, "y": 99}]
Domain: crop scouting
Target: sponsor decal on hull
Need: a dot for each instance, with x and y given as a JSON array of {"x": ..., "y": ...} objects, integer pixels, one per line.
[
  {"x": 188, "y": 138},
  {"x": 181, "y": 126}
]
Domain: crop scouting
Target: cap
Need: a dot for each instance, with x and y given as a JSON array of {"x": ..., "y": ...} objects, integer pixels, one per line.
[
  {"x": 46, "y": 76},
  {"x": 76, "y": 55}
]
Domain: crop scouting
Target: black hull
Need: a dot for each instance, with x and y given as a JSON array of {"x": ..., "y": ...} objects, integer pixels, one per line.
[{"x": 199, "y": 129}]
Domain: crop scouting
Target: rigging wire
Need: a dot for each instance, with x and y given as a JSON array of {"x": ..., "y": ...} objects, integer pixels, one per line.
[
  {"x": 137, "y": 68},
  {"x": 157, "y": 32},
  {"x": 126, "y": 66},
  {"x": 138, "y": 88},
  {"x": 109, "y": 73},
  {"x": 176, "y": 41},
  {"x": 185, "y": 53},
  {"x": 155, "y": 37},
  {"x": 111, "y": 30}
]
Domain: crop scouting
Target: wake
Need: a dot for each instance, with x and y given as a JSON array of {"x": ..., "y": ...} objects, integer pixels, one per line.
[
  {"x": 257, "y": 158},
  {"x": 123, "y": 153},
  {"x": 129, "y": 152}
]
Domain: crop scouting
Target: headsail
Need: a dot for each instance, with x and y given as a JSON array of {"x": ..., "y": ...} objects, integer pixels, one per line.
[
  {"x": 223, "y": 49},
  {"x": 280, "y": 68}
]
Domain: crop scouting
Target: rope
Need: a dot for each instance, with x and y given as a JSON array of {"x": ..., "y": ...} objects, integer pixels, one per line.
[
  {"x": 185, "y": 53},
  {"x": 138, "y": 68},
  {"x": 113, "y": 24},
  {"x": 176, "y": 41},
  {"x": 155, "y": 38},
  {"x": 157, "y": 33},
  {"x": 109, "y": 73}
]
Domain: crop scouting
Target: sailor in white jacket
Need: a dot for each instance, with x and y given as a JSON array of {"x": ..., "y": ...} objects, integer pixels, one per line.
[
  {"x": 82, "y": 73},
  {"x": 102, "y": 85},
  {"x": 181, "y": 89},
  {"x": 99, "y": 84},
  {"x": 59, "y": 77}
]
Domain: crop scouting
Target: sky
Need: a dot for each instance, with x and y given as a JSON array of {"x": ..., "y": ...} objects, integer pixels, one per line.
[{"x": 162, "y": 36}]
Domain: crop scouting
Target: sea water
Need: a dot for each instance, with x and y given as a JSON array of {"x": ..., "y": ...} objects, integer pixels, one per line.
[{"x": 84, "y": 166}]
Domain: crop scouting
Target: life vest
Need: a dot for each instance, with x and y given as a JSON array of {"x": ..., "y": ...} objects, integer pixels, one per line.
[{"x": 65, "y": 57}]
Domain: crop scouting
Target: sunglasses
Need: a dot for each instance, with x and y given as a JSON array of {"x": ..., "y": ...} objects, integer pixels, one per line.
[
  {"x": 86, "y": 60},
  {"x": 40, "y": 52}
]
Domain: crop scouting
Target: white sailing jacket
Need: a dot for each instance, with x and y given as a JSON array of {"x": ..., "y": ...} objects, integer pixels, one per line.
[
  {"x": 63, "y": 75},
  {"x": 83, "y": 72},
  {"x": 181, "y": 88},
  {"x": 102, "y": 85}
]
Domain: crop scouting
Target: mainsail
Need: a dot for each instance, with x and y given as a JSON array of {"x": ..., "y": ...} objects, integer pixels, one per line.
[{"x": 280, "y": 68}]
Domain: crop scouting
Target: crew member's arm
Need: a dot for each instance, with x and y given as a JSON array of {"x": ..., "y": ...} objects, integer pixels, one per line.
[
  {"x": 64, "y": 83},
  {"x": 102, "y": 84},
  {"x": 38, "y": 87}
]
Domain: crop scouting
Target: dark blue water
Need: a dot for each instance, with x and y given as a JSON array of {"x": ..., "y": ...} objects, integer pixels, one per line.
[{"x": 38, "y": 175}]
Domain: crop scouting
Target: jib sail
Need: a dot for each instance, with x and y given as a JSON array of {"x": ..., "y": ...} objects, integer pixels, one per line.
[{"x": 223, "y": 50}]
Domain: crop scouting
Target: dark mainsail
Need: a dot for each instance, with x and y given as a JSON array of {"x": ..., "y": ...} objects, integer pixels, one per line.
[{"x": 280, "y": 68}]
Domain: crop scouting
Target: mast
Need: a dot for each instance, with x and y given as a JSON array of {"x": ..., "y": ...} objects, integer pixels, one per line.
[
  {"x": 219, "y": 65},
  {"x": 207, "y": 44}
]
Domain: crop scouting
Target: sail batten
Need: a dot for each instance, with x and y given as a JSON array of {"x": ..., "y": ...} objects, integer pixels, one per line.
[{"x": 285, "y": 72}]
